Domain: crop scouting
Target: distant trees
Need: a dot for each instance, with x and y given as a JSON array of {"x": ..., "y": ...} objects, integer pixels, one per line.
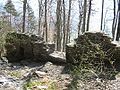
[
  {"x": 10, "y": 8},
  {"x": 54, "y": 20},
  {"x": 61, "y": 22},
  {"x": 85, "y": 9},
  {"x": 62, "y": 25},
  {"x": 28, "y": 15},
  {"x": 7, "y": 13},
  {"x": 4, "y": 24},
  {"x": 28, "y": 22},
  {"x": 31, "y": 19}
]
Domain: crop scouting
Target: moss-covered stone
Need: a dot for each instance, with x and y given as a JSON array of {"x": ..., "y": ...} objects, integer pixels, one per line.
[
  {"x": 20, "y": 46},
  {"x": 93, "y": 51},
  {"x": 16, "y": 45}
]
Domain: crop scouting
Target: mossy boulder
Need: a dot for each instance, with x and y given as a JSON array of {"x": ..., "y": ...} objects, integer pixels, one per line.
[
  {"x": 21, "y": 46},
  {"x": 93, "y": 51},
  {"x": 17, "y": 46}
]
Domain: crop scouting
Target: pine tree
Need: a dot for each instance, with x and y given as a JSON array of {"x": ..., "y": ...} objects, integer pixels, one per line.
[{"x": 10, "y": 8}]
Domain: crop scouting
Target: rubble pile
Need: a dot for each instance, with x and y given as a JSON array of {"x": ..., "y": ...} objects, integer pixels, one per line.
[{"x": 93, "y": 51}]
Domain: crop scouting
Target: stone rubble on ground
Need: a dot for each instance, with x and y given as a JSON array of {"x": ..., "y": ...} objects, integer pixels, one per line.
[
  {"x": 14, "y": 77},
  {"x": 49, "y": 71}
]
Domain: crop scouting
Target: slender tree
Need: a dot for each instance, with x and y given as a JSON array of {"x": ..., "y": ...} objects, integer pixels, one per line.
[
  {"x": 114, "y": 18},
  {"x": 40, "y": 14},
  {"x": 118, "y": 28},
  {"x": 68, "y": 23},
  {"x": 45, "y": 25},
  {"x": 105, "y": 21},
  {"x": 64, "y": 26},
  {"x": 24, "y": 15},
  {"x": 101, "y": 27},
  {"x": 58, "y": 26},
  {"x": 89, "y": 13},
  {"x": 84, "y": 16},
  {"x": 80, "y": 16}
]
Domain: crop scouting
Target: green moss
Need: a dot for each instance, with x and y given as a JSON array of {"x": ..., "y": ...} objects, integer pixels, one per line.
[
  {"x": 15, "y": 74},
  {"x": 17, "y": 38},
  {"x": 32, "y": 84},
  {"x": 93, "y": 55}
]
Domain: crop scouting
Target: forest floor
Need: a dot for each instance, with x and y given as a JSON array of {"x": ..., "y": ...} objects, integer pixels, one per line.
[
  {"x": 27, "y": 75},
  {"x": 15, "y": 76}
]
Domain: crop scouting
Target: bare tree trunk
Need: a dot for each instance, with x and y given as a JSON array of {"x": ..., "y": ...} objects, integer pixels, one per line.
[
  {"x": 89, "y": 13},
  {"x": 84, "y": 16},
  {"x": 10, "y": 20},
  {"x": 104, "y": 24},
  {"x": 80, "y": 16},
  {"x": 79, "y": 25},
  {"x": 118, "y": 28},
  {"x": 24, "y": 15},
  {"x": 40, "y": 12},
  {"x": 58, "y": 26},
  {"x": 46, "y": 33},
  {"x": 68, "y": 23},
  {"x": 64, "y": 25},
  {"x": 101, "y": 27},
  {"x": 113, "y": 24}
]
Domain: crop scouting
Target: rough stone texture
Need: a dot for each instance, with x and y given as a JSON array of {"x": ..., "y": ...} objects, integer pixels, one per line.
[
  {"x": 58, "y": 57},
  {"x": 14, "y": 76},
  {"x": 24, "y": 47},
  {"x": 21, "y": 46},
  {"x": 51, "y": 48},
  {"x": 39, "y": 51},
  {"x": 92, "y": 43},
  {"x": 94, "y": 51}
]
